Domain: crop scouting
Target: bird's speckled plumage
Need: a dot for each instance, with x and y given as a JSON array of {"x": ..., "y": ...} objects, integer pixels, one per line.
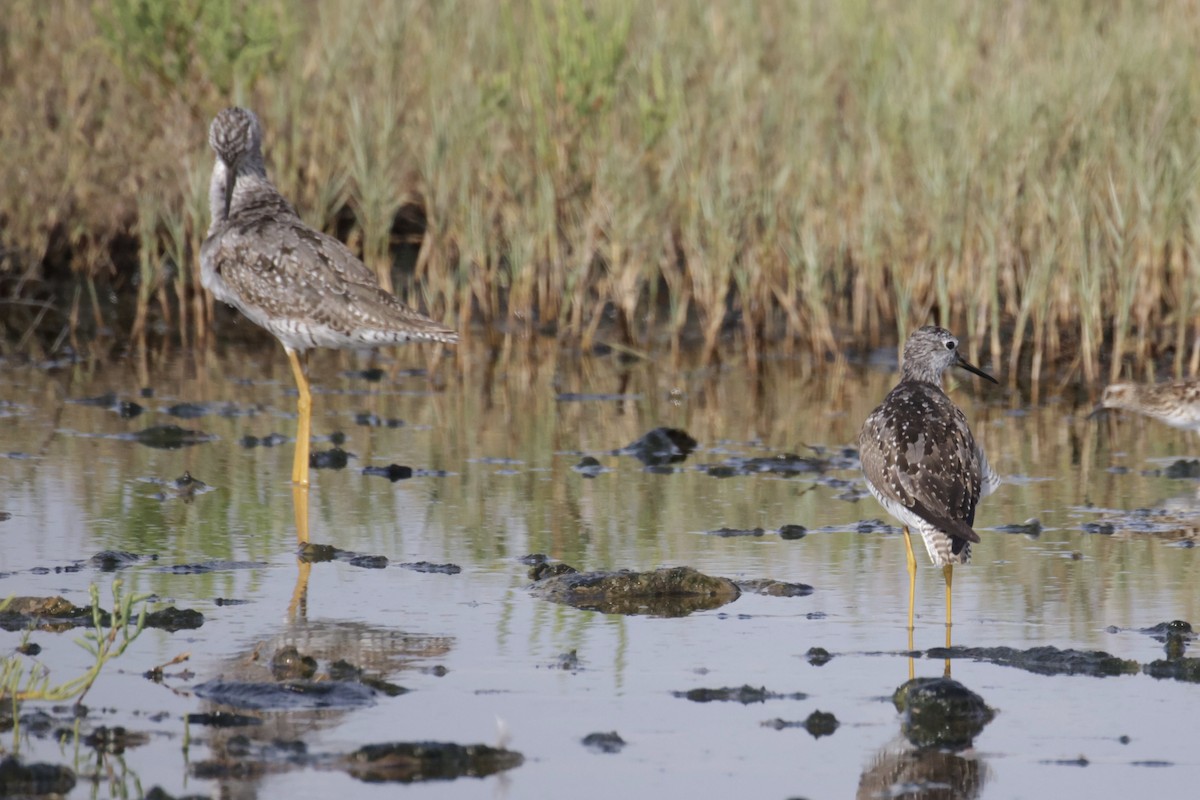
[
  {"x": 1176, "y": 403},
  {"x": 304, "y": 287},
  {"x": 918, "y": 454}
]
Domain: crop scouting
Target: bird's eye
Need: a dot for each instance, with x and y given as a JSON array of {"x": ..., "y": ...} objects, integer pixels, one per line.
[{"x": 950, "y": 344}]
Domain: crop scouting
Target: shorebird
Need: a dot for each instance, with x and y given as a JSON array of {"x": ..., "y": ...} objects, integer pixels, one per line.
[
  {"x": 921, "y": 461},
  {"x": 1176, "y": 403},
  {"x": 306, "y": 288}
]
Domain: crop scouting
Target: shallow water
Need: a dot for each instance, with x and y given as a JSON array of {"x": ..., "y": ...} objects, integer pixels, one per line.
[{"x": 483, "y": 657}]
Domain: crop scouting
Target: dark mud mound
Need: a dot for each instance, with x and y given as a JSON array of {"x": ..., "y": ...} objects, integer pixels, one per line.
[
  {"x": 667, "y": 592},
  {"x": 940, "y": 713}
]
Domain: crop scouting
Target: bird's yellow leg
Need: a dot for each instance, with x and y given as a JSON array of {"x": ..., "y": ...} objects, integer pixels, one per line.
[
  {"x": 912, "y": 593},
  {"x": 948, "y": 571},
  {"x": 300, "y": 506},
  {"x": 298, "y": 607},
  {"x": 304, "y": 426},
  {"x": 912, "y": 582}
]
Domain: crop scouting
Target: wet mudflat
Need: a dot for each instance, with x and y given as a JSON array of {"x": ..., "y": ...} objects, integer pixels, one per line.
[{"x": 419, "y": 641}]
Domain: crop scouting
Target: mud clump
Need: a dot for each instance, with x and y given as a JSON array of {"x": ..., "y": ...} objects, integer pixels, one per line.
[
  {"x": 774, "y": 588},
  {"x": 940, "y": 713},
  {"x": 733, "y": 532},
  {"x": 606, "y": 743},
  {"x": 821, "y": 723},
  {"x": 409, "y": 762},
  {"x": 17, "y": 779},
  {"x": 429, "y": 566},
  {"x": 289, "y": 664},
  {"x": 113, "y": 560},
  {"x": 667, "y": 592},
  {"x": 660, "y": 447},
  {"x": 818, "y": 656},
  {"x": 335, "y": 458},
  {"x": 170, "y": 437},
  {"x": 1047, "y": 660},
  {"x": 1179, "y": 669},
  {"x": 57, "y": 614},
  {"x": 393, "y": 472}
]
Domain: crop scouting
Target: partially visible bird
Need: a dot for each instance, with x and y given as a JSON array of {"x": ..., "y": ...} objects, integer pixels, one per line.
[
  {"x": 922, "y": 462},
  {"x": 1176, "y": 403},
  {"x": 305, "y": 287}
]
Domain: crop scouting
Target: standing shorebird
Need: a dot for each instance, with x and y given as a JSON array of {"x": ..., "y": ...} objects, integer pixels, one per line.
[
  {"x": 921, "y": 461},
  {"x": 306, "y": 288},
  {"x": 1176, "y": 403}
]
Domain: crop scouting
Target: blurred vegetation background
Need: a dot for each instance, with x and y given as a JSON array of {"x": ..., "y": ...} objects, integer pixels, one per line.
[{"x": 763, "y": 177}]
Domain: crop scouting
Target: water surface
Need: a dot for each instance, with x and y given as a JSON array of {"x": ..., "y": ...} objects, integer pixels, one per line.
[{"x": 484, "y": 659}]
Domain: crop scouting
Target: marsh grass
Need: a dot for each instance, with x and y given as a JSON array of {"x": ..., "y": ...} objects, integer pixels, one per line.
[{"x": 812, "y": 177}]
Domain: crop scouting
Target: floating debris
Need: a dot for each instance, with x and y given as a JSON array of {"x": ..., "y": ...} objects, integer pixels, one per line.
[
  {"x": 737, "y": 694},
  {"x": 336, "y": 458},
  {"x": 821, "y": 723},
  {"x": 314, "y": 553},
  {"x": 369, "y": 420},
  {"x": 223, "y": 719},
  {"x": 372, "y": 374},
  {"x": 818, "y": 656},
  {"x": 219, "y": 565},
  {"x": 792, "y": 532},
  {"x": 1183, "y": 469},
  {"x": 185, "y": 487},
  {"x": 606, "y": 743},
  {"x": 287, "y": 663},
  {"x": 106, "y": 400},
  {"x": 589, "y": 467},
  {"x": 270, "y": 440},
  {"x": 732, "y": 532},
  {"x": 1031, "y": 527},
  {"x": 168, "y": 437},
  {"x": 588, "y": 397},
  {"x": 568, "y": 661},
  {"x": 393, "y": 472},
  {"x": 115, "y": 740},
  {"x": 127, "y": 409},
  {"x": 188, "y": 410},
  {"x": 426, "y": 566},
  {"x": 1175, "y": 636},
  {"x": 660, "y": 446}
]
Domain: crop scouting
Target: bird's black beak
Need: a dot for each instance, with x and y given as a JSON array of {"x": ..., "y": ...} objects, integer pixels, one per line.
[
  {"x": 969, "y": 367},
  {"x": 1097, "y": 411}
]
